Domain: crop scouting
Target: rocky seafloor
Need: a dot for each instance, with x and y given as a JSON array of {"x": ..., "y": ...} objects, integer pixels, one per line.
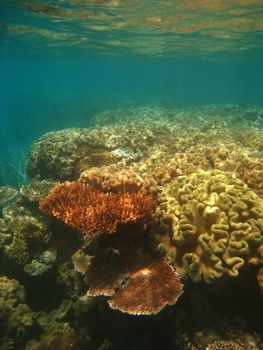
[{"x": 143, "y": 192}]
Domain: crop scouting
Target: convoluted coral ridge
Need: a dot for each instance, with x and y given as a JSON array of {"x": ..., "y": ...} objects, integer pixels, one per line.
[{"x": 215, "y": 225}]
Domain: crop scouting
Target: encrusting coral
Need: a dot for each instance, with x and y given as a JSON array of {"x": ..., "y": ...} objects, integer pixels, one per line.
[
  {"x": 16, "y": 317},
  {"x": 215, "y": 225},
  {"x": 37, "y": 190},
  {"x": 91, "y": 211},
  {"x": 161, "y": 167},
  {"x": 7, "y": 194},
  {"x": 224, "y": 345},
  {"x": 24, "y": 232},
  {"x": 113, "y": 178},
  {"x": 63, "y": 155}
]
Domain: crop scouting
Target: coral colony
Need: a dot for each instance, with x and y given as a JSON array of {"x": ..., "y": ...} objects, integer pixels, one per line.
[
  {"x": 159, "y": 213},
  {"x": 85, "y": 208}
]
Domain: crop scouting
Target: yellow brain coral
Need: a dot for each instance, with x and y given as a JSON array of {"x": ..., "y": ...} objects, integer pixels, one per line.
[{"x": 214, "y": 223}]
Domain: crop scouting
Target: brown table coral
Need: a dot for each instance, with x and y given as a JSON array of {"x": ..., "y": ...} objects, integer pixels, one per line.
[{"x": 148, "y": 289}]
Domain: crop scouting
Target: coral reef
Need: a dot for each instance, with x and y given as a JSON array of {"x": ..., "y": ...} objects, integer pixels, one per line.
[
  {"x": 123, "y": 268},
  {"x": 148, "y": 289},
  {"x": 161, "y": 167},
  {"x": 93, "y": 157},
  {"x": 37, "y": 190},
  {"x": 224, "y": 345},
  {"x": 250, "y": 170},
  {"x": 7, "y": 195},
  {"x": 85, "y": 208},
  {"x": 63, "y": 155},
  {"x": 112, "y": 178},
  {"x": 215, "y": 224},
  {"x": 25, "y": 233},
  {"x": 161, "y": 193},
  {"x": 63, "y": 340},
  {"x": 16, "y": 318}
]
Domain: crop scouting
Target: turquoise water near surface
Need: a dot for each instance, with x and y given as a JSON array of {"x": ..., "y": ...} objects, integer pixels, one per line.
[{"x": 63, "y": 62}]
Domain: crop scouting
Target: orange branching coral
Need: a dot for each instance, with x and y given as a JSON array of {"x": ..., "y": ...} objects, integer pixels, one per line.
[
  {"x": 89, "y": 210},
  {"x": 148, "y": 289}
]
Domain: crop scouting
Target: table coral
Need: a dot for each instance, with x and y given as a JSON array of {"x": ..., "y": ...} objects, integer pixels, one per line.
[
  {"x": 91, "y": 211},
  {"x": 215, "y": 223},
  {"x": 148, "y": 289},
  {"x": 142, "y": 289}
]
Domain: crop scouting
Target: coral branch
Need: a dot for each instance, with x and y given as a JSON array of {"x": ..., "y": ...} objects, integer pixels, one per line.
[{"x": 91, "y": 211}]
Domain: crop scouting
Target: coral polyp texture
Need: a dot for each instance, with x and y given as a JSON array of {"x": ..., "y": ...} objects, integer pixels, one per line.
[
  {"x": 15, "y": 316},
  {"x": 7, "y": 194},
  {"x": 24, "y": 232},
  {"x": 213, "y": 223},
  {"x": 148, "y": 289},
  {"x": 113, "y": 178},
  {"x": 63, "y": 155},
  {"x": 224, "y": 345},
  {"x": 84, "y": 208}
]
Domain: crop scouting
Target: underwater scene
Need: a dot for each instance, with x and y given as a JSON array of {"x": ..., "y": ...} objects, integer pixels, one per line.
[{"x": 131, "y": 175}]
